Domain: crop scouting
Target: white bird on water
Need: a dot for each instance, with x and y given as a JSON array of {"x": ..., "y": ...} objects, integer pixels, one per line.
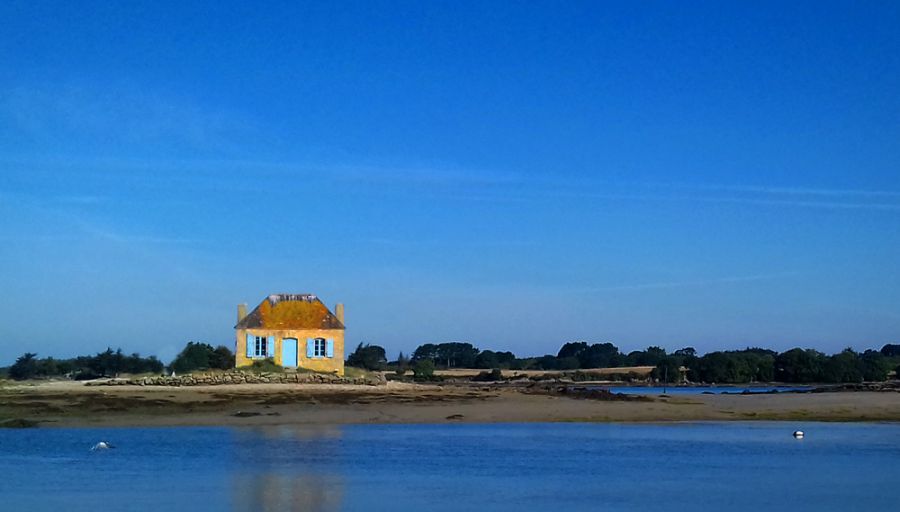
[
  {"x": 102, "y": 445},
  {"x": 798, "y": 434}
]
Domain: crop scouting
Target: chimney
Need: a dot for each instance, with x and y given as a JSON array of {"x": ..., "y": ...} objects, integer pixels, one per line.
[
  {"x": 242, "y": 312},
  {"x": 339, "y": 312}
]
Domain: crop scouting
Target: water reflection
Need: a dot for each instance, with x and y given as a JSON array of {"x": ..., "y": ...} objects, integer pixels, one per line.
[
  {"x": 503, "y": 467},
  {"x": 280, "y": 492},
  {"x": 287, "y": 468}
]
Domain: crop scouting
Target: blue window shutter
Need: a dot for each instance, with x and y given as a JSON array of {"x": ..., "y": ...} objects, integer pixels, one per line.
[
  {"x": 310, "y": 348},
  {"x": 251, "y": 342},
  {"x": 270, "y": 347},
  {"x": 329, "y": 347}
]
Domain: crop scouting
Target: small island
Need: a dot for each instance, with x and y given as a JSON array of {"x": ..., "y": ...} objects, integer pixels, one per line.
[{"x": 454, "y": 382}]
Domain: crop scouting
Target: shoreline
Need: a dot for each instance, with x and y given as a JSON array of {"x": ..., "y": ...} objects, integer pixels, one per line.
[{"x": 68, "y": 404}]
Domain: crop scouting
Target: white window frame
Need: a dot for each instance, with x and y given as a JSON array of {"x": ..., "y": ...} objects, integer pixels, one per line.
[
  {"x": 320, "y": 347},
  {"x": 260, "y": 346}
]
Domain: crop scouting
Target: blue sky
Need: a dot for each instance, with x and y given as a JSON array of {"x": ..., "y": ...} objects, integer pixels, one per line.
[{"x": 711, "y": 174}]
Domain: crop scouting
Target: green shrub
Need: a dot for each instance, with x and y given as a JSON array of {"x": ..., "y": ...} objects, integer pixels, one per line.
[
  {"x": 423, "y": 370},
  {"x": 202, "y": 356},
  {"x": 25, "y": 367},
  {"x": 495, "y": 375},
  {"x": 580, "y": 376},
  {"x": 567, "y": 363},
  {"x": 369, "y": 357},
  {"x": 263, "y": 366}
]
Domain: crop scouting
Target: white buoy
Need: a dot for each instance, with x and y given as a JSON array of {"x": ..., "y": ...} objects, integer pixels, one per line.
[
  {"x": 102, "y": 445},
  {"x": 798, "y": 434}
]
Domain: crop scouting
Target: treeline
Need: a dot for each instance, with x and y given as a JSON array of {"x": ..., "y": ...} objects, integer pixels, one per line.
[
  {"x": 195, "y": 356},
  {"x": 727, "y": 367},
  {"x": 104, "y": 364}
]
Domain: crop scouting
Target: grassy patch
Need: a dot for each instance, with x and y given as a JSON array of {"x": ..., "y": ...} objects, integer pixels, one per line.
[
  {"x": 352, "y": 372},
  {"x": 263, "y": 366}
]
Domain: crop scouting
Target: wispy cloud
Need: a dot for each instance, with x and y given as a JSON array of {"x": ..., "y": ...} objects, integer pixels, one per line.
[
  {"x": 441, "y": 242},
  {"x": 791, "y": 191},
  {"x": 831, "y": 199},
  {"x": 116, "y": 114},
  {"x": 79, "y": 199},
  {"x": 63, "y": 218},
  {"x": 429, "y": 175},
  {"x": 693, "y": 283},
  {"x": 440, "y": 180},
  {"x": 97, "y": 230},
  {"x": 832, "y": 205}
]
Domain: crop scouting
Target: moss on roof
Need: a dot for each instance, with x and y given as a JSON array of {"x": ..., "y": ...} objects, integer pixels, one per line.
[{"x": 290, "y": 311}]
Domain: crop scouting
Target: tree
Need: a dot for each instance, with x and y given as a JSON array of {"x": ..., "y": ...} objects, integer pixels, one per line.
[
  {"x": 765, "y": 368},
  {"x": 798, "y": 365},
  {"x": 875, "y": 367},
  {"x": 491, "y": 359},
  {"x": 599, "y": 355},
  {"x": 525, "y": 363},
  {"x": 426, "y": 351},
  {"x": 734, "y": 367},
  {"x": 547, "y": 362},
  {"x": 653, "y": 356},
  {"x": 137, "y": 364},
  {"x": 451, "y": 354},
  {"x": 487, "y": 359},
  {"x": 572, "y": 349},
  {"x": 25, "y": 367},
  {"x": 650, "y": 357},
  {"x": 712, "y": 367},
  {"x": 686, "y": 352},
  {"x": 686, "y": 356},
  {"x": 738, "y": 369},
  {"x": 667, "y": 370},
  {"x": 843, "y": 367},
  {"x": 402, "y": 362},
  {"x": 222, "y": 358},
  {"x": 890, "y": 350},
  {"x": 423, "y": 370},
  {"x": 567, "y": 363},
  {"x": 369, "y": 357},
  {"x": 457, "y": 354},
  {"x": 47, "y": 366},
  {"x": 202, "y": 356},
  {"x": 103, "y": 363}
]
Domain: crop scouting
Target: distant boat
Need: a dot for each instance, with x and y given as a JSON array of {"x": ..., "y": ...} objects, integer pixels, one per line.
[
  {"x": 102, "y": 445},
  {"x": 798, "y": 434}
]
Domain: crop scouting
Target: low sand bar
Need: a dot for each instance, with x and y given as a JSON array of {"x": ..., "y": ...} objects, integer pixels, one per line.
[{"x": 73, "y": 404}]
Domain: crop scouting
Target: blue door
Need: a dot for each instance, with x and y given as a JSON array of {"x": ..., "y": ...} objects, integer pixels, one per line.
[{"x": 289, "y": 352}]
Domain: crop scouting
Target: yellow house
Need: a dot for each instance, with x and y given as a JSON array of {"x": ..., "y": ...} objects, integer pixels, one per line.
[{"x": 295, "y": 330}]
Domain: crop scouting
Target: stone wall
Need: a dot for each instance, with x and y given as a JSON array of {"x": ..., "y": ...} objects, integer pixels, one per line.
[{"x": 238, "y": 377}]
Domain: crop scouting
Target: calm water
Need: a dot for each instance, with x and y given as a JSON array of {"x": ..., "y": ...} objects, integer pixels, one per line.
[
  {"x": 697, "y": 390},
  {"x": 515, "y": 467}
]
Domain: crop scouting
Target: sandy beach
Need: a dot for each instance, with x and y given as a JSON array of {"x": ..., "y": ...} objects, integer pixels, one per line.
[{"x": 58, "y": 404}]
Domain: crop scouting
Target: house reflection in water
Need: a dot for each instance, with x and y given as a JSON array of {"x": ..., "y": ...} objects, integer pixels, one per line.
[
  {"x": 267, "y": 492},
  {"x": 287, "y": 469}
]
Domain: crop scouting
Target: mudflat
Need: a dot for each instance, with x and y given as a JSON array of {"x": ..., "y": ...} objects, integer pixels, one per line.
[{"x": 66, "y": 404}]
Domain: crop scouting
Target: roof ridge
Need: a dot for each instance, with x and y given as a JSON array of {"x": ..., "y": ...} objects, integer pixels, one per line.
[
  {"x": 290, "y": 311},
  {"x": 279, "y": 297}
]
